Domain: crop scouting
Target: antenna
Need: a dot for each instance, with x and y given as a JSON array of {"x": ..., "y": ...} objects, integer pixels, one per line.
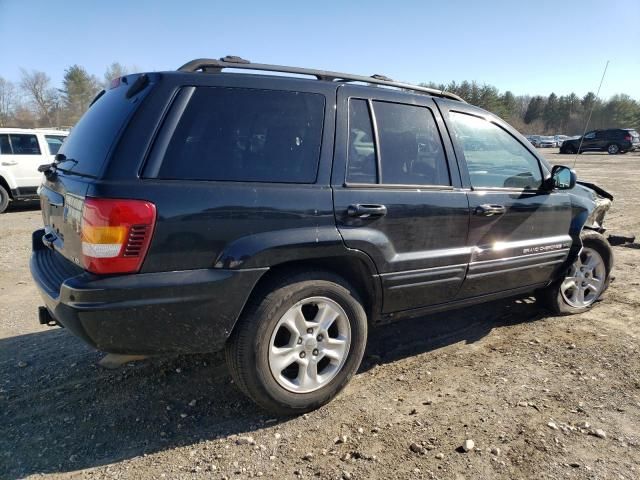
[{"x": 590, "y": 112}]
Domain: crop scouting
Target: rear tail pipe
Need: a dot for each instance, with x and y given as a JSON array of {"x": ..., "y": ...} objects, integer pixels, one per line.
[{"x": 45, "y": 317}]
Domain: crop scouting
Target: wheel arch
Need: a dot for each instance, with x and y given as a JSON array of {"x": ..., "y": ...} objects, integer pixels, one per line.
[
  {"x": 588, "y": 215},
  {"x": 355, "y": 267}
]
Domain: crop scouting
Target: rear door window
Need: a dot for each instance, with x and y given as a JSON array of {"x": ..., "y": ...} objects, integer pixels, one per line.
[
  {"x": 362, "y": 151},
  {"x": 5, "y": 146},
  {"x": 411, "y": 150},
  {"x": 24, "y": 144},
  {"x": 247, "y": 135}
]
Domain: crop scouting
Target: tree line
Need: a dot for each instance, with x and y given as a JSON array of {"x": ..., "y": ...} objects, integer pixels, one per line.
[
  {"x": 35, "y": 102},
  {"x": 565, "y": 114}
]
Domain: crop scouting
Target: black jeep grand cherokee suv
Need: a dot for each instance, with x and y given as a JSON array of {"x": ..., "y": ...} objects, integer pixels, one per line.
[{"x": 281, "y": 217}]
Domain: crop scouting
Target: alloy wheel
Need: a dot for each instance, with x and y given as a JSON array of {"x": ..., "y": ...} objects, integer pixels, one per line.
[
  {"x": 585, "y": 280},
  {"x": 309, "y": 345}
]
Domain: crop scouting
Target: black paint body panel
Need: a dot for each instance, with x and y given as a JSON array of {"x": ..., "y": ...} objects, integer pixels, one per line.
[{"x": 168, "y": 312}]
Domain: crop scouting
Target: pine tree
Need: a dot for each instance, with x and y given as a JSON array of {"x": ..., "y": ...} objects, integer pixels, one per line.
[
  {"x": 79, "y": 89},
  {"x": 534, "y": 110}
]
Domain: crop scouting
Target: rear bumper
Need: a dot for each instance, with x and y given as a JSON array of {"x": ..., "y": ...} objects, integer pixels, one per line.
[{"x": 168, "y": 312}]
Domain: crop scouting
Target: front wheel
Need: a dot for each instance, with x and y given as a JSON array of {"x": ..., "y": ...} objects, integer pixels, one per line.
[
  {"x": 585, "y": 280},
  {"x": 299, "y": 343}
]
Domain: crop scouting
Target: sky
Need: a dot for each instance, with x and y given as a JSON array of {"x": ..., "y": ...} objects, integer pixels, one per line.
[{"x": 524, "y": 46}]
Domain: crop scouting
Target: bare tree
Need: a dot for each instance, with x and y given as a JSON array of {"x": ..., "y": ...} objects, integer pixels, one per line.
[
  {"x": 36, "y": 86},
  {"x": 24, "y": 117},
  {"x": 7, "y": 101},
  {"x": 114, "y": 70}
]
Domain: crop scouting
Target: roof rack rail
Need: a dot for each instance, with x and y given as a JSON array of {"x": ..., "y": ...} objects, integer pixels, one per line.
[{"x": 231, "y": 61}]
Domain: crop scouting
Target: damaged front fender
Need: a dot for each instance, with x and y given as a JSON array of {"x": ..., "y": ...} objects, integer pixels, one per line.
[{"x": 590, "y": 204}]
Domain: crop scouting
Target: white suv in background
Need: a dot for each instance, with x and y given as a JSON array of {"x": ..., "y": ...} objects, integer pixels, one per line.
[{"x": 22, "y": 151}]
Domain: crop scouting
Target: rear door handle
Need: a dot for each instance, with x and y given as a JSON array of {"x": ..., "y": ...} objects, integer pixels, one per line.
[
  {"x": 8, "y": 163},
  {"x": 488, "y": 210},
  {"x": 366, "y": 210}
]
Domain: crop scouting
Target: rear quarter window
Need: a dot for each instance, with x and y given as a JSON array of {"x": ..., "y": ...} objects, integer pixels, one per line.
[{"x": 250, "y": 135}]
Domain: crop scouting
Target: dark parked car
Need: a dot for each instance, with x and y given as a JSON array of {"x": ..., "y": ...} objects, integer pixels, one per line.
[
  {"x": 280, "y": 218},
  {"x": 613, "y": 141}
]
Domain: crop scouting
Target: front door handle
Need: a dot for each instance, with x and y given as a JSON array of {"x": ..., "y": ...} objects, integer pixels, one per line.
[
  {"x": 8, "y": 163},
  {"x": 366, "y": 210},
  {"x": 488, "y": 210}
]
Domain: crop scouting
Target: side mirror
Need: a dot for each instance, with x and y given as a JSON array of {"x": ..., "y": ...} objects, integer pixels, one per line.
[{"x": 562, "y": 178}]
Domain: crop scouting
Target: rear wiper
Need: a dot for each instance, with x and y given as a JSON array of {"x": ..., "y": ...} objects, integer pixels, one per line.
[
  {"x": 50, "y": 168},
  {"x": 47, "y": 169},
  {"x": 61, "y": 157}
]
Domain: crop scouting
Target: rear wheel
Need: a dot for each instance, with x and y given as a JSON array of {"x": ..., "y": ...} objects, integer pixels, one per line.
[
  {"x": 4, "y": 199},
  {"x": 299, "y": 343},
  {"x": 585, "y": 280},
  {"x": 613, "y": 149}
]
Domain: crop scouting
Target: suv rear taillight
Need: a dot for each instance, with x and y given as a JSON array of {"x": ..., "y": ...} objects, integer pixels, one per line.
[
  {"x": 628, "y": 138},
  {"x": 116, "y": 234}
]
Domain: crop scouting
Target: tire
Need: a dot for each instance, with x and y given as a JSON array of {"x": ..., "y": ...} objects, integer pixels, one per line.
[
  {"x": 564, "y": 299},
  {"x": 570, "y": 150},
  {"x": 4, "y": 199},
  {"x": 278, "y": 381},
  {"x": 613, "y": 149}
]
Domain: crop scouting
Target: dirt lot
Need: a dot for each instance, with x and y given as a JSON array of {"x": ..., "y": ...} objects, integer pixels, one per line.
[{"x": 532, "y": 391}]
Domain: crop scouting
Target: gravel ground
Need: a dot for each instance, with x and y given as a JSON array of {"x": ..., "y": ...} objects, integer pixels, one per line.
[{"x": 538, "y": 396}]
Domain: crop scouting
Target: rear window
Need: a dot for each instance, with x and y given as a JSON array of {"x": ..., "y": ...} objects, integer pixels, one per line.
[
  {"x": 238, "y": 134},
  {"x": 88, "y": 145}
]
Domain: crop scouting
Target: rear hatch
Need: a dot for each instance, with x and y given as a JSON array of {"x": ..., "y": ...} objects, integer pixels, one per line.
[{"x": 81, "y": 160}]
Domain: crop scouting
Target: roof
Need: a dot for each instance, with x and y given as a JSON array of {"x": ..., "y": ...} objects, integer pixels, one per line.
[
  {"x": 232, "y": 62},
  {"x": 52, "y": 131}
]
